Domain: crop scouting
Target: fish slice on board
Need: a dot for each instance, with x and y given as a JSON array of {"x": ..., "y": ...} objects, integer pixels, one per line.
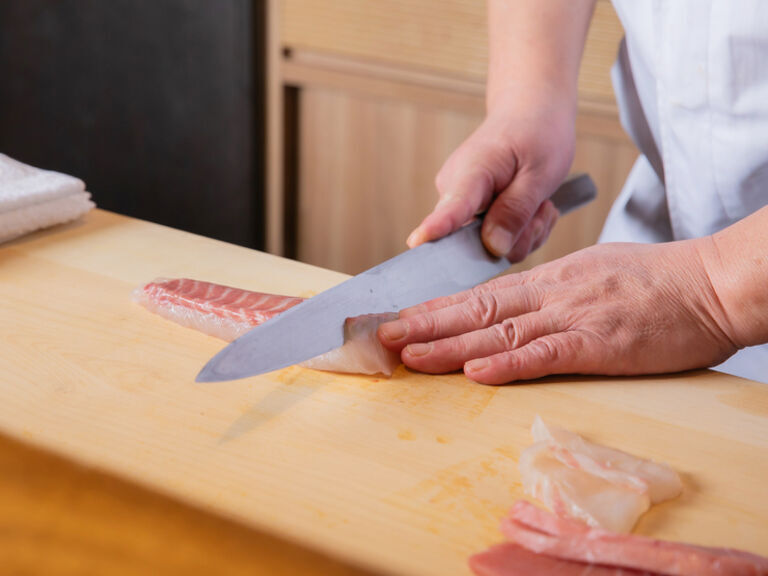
[{"x": 227, "y": 313}]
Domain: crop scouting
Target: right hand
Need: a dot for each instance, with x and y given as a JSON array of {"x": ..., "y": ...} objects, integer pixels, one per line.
[{"x": 509, "y": 166}]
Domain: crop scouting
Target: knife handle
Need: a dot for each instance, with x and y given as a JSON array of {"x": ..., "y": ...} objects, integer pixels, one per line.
[{"x": 575, "y": 191}]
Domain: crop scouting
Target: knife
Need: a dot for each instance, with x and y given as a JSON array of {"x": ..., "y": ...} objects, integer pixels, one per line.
[{"x": 451, "y": 264}]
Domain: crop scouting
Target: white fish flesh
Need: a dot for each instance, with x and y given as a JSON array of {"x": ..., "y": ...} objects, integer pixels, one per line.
[{"x": 604, "y": 487}]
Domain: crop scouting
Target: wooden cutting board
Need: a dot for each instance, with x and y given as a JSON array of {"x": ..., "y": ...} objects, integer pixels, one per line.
[{"x": 407, "y": 475}]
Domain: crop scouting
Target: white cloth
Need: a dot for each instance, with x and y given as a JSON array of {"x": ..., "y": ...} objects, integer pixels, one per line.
[
  {"x": 31, "y": 198},
  {"x": 691, "y": 80}
]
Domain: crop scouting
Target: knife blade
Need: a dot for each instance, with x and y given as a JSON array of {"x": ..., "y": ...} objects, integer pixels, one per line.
[{"x": 456, "y": 262}]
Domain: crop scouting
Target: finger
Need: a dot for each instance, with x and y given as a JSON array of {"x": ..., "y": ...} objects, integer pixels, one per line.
[
  {"x": 466, "y": 185},
  {"x": 450, "y": 214},
  {"x": 451, "y": 354},
  {"x": 536, "y": 231},
  {"x": 499, "y": 283},
  {"x": 557, "y": 353},
  {"x": 550, "y": 219},
  {"x": 480, "y": 311},
  {"x": 511, "y": 212}
]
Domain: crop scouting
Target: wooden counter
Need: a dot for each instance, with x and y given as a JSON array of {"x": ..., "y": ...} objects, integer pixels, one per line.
[{"x": 407, "y": 475}]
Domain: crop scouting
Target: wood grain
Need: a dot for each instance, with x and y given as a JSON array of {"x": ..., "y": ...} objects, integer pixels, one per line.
[
  {"x": 386, "y": 91},
  {"x": 408, "y": 475},
  {"x": 367, "y": 168},
  {"x": 367, "y": 171},
  {"x": 443, "y": 36},
  {"x": 63, "y": 519}
]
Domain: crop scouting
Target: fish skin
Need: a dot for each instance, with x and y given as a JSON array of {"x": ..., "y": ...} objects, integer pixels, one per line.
[{"x": 227, "y": 313}]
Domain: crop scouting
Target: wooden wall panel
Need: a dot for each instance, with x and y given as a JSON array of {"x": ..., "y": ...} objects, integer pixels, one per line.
[
  {"x": 367, "y": 169},
  {"x": 443, "y": 36}
]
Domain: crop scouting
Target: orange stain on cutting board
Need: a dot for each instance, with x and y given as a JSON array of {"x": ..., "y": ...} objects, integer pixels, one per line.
[{"x": 478, "y": 492}]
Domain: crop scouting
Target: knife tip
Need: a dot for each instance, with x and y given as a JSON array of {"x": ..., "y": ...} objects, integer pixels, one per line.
[{"x": 209, "y": 374}]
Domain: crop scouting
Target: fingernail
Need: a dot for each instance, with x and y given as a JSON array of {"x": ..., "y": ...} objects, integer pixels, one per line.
[
  {"x": 394, "y": 331},
  {"x": 415, "y": 238},
  {"x": 419, "y": 349},
  {"x": 476, "y": 365},
  {"x": 499, "y": 240}
]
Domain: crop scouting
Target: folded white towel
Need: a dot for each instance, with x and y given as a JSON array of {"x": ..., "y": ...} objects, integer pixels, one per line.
[{"x": 31, "y": 198}]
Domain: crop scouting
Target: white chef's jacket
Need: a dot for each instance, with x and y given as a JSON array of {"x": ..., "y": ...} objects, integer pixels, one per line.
[{"x": 691, "y": 80}]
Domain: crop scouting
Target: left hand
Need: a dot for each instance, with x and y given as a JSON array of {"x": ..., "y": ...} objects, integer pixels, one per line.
[{"x": 614, "y": 309}]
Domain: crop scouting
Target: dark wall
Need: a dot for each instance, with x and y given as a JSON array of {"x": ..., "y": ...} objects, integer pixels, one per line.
[{"x": 155, "y": 104}]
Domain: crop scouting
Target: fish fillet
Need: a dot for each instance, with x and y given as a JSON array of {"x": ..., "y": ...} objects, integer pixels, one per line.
[
  {"x": 510, "y": 559},
  {"x": 544, "y": 533},
  {"x": 659, "y": 480},
  {"x": 604, "y": 487},
  {"x": 228, "y": 313},
  {"x": 572, "y": 492}
]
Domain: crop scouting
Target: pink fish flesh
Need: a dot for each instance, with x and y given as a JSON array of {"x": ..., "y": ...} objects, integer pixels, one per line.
[
  {"x": 228, "y": 313},
  {"x": 565, "y": 539},
  {"x": 510, "y": 559}
]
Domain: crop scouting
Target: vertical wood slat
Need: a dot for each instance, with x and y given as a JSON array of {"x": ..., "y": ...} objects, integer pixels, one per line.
[
  {"x": 443, "y": 36},
  {"x": 367, "y": 169},
  {"x": 274, "y": 198},
  {"x": 381, "y": 107}
]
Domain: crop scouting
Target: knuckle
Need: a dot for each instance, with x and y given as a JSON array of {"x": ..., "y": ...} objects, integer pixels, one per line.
[
  {"x": 484, "y": 176},
  {"x": 552, "y": 213},
  {"x": 480, "y": 290},
  {"x": 547, "y": 349},
  {"x": 425, "y": 324},
  {"x": 484, "y": 308},
  {"x": 508, "y": 333}
]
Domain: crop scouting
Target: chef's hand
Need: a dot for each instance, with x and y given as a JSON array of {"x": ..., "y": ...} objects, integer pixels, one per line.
[
  {"x": 609, "y": 309},
  {"x": 509, "y": 166}
]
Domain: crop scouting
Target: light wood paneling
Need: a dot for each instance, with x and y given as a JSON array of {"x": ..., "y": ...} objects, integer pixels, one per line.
[
  {"x": 387, "y": 90},
  {"x": 274, "y": 197},
  {"x": 367, "y": 169},
  {"x": 443, "y": 36}
]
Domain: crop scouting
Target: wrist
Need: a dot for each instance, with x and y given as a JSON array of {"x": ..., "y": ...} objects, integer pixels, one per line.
[
  {"x": 510, "y": 97},
  {"x": 734, "y": 274}
]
